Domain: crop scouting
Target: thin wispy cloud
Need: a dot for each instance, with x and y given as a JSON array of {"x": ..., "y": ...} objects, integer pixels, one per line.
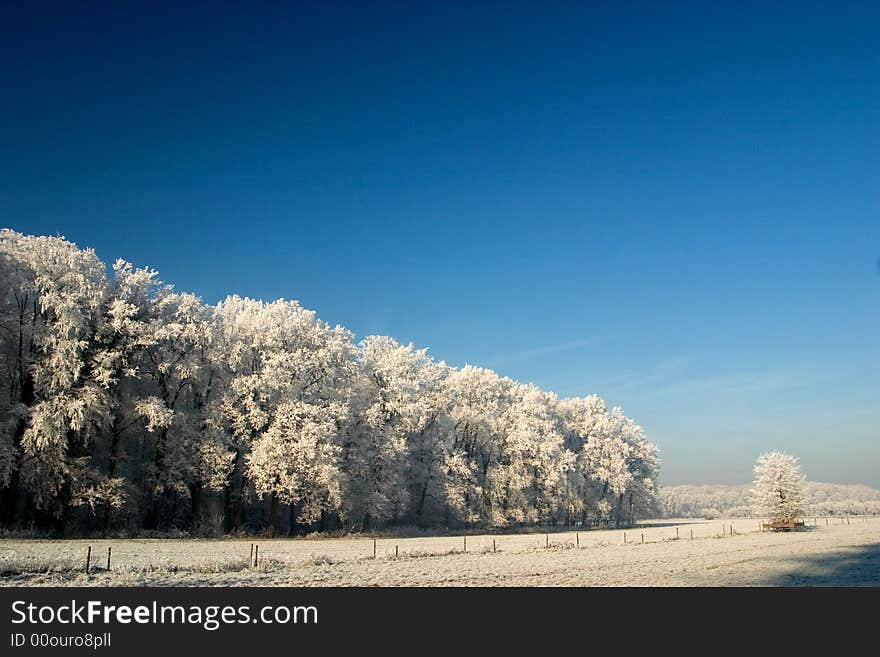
[
  {"x": 671, "y": 377},
  {"x": 651, "y": 377},
  {"x": 545, "y": 350}
]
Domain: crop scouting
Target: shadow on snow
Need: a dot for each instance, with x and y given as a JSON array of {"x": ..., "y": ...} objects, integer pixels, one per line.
[{"x": 852, "y": 566}]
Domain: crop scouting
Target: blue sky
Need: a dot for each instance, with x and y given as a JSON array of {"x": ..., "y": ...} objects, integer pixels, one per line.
[{"x": 672, "y": 205}]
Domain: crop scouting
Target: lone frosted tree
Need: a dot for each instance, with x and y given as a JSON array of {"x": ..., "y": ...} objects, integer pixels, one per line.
[{"x": 778, "y": 487}]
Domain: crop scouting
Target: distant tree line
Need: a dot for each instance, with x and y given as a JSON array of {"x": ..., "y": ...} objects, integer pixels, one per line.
[
  {"x": 125, "y": 405},
  {"x": 820, "y": 499}
]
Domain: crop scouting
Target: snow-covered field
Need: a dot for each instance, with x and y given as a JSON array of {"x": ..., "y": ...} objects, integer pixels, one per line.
[{"x": 838, "y": 554}]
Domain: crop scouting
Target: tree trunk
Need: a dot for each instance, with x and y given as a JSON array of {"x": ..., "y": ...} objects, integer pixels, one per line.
[
  {"x": 231, "y": 499},
  {"x": 9, "y": 496},
  {"x": 9, "y": 500},
  {"x": 420, "y": 511},
  {"x": 227, "y": 506},
  {"x": 152, "y": 519},
  {"x": 239, "y": 504},
  {"x": 273, "y": 514},
  {"x": 294, "y": 525},
  {"x": 115, "y": 439},
  {"x": 618, "y": 510},
  {"x": 195, "y": 494}
]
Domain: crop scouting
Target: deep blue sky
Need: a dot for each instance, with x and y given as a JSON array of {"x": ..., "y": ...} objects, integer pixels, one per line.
[{"x": 669, "y": 204}]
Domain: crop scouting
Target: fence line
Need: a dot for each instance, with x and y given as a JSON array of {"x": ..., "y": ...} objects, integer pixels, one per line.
[{"x": 658, "y": 534}]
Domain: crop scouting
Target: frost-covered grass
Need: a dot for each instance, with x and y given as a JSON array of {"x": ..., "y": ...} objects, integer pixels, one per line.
[{"x": 836, "y": 554}]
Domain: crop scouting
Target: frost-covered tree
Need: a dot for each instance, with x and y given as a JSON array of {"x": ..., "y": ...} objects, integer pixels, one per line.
[
  {"x": 123, "y": 334},
  {"x": 296, "y": 460},
  {"x": 615, "y": 471},
  {"x": 534, "y": 460},
  {"x": 476, "y": 484},
  {"x": 129, "y": 313},
  {"x": 389, "y": 448},
  {"x": 429, "y": 443},
  {"x": 288, "y": 380},
  {"x": 178, "y": 378},
  {"x": 777, "y": 491},
  {"x": 56, "y": 375},
  {"x": 126, "y": 403}
]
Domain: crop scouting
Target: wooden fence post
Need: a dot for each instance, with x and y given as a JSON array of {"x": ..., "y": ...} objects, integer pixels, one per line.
[
  {"x": 465, "y": 543},
  {"x": 396, "y": 551},
  {"x": 624, "y": 538},
  {"x": 88, "y": 559},
  {"x": 676, "y": 533},
  {"x": 692, "y": 534},
  {"x": 256, "y": 555},
  {"x": 251, "y": 557},
  {"x": 547, "y": 540},
  {"x": 493, "y": 545},
  {"x": 108, "y": 557},
  {"x": 374, "y": 548},
  {"x": 577, "y": 539},
  {"x": 643, "y": 537}
]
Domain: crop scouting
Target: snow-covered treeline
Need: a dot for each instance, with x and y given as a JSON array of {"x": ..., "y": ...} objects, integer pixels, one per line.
[
  {"x": 127, "y": 405},
  {"x": 821, "y": 499}
]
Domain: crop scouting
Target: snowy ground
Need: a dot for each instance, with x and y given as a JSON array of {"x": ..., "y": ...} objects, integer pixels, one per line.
[{"x": 837, "y": 554}]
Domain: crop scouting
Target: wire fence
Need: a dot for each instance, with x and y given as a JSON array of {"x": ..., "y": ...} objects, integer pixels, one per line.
[{"x": 276, "y": 551}]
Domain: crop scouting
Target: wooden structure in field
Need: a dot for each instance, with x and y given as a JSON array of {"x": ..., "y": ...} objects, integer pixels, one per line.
[{"x": 784, "y": 525}]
